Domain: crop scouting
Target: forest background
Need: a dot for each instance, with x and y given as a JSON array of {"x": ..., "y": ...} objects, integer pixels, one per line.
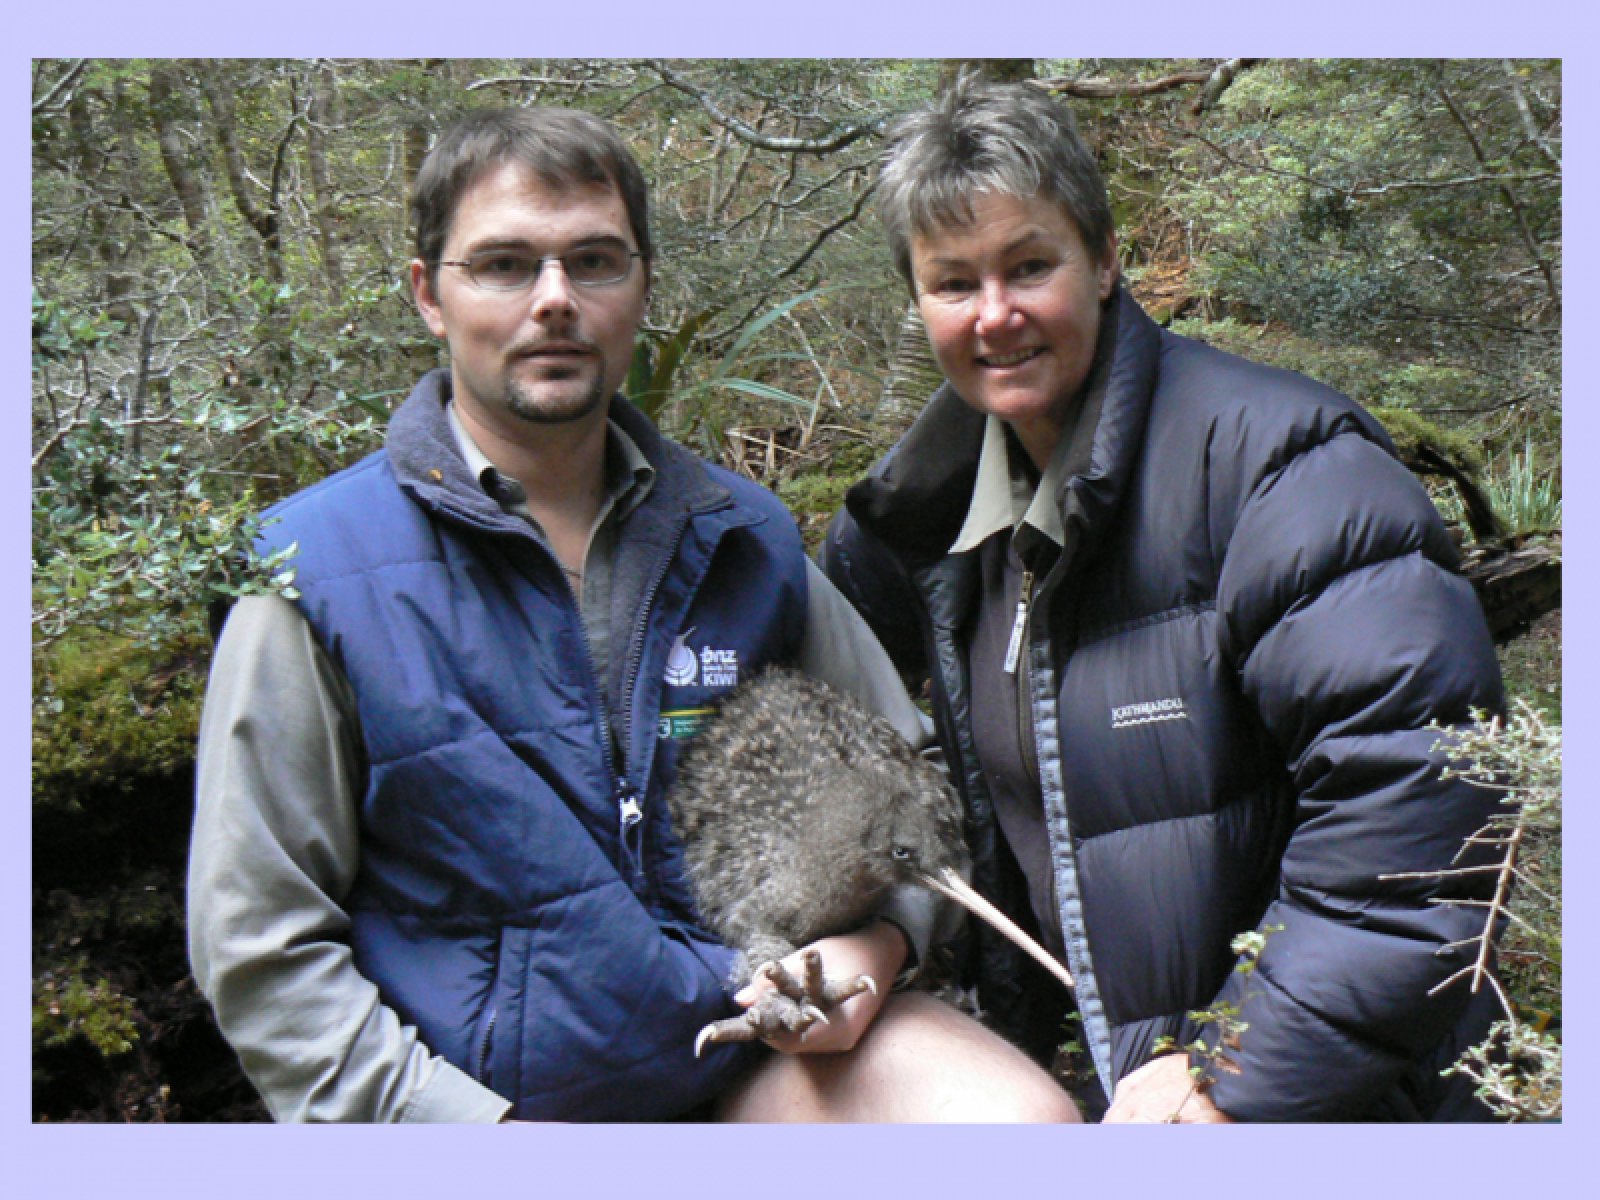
[{"x": 220, "y": 317}]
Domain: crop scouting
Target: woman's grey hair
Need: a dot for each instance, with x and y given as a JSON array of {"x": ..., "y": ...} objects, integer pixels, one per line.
[
  {"x": 1012, "y": 139},
  {"x": 562, "y": 147}
]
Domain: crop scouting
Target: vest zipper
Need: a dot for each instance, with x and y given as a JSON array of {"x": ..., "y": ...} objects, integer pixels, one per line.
[
  {"x": 483, "y": 1049},
  {"x": 629, "y": 815},
  {"x": 630, "y": 808},
  {"x": 636, "y": 642},
  {"x": 629, "y": 811}
]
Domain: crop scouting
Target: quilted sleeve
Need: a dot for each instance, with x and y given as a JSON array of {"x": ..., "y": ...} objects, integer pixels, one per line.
[{"x": 1352, "y": 632}]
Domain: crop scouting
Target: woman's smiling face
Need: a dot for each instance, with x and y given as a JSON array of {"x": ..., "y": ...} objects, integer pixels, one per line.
[{"x": 1012, "y": 303}]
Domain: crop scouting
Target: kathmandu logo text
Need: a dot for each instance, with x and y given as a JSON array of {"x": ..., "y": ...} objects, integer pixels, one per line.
[{"x": 1146, "y": 711}]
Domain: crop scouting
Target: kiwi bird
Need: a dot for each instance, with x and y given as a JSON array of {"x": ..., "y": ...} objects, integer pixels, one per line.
[{"x": 799, "y": 811}]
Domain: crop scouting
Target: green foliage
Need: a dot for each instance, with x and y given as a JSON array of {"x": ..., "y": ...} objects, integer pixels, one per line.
[
  {"x": 1216, "y": 1052},
  {"x": 721, "y": 375},
  {"x": 110, "y": 711},
  {"x": 1518, "y": 1072},
  {"x": 1371, "y": 377},
  {"x": 814, "y": 496},
  {"x": 68, "y": 1003},
  {"x": 1531, "y": 668},
  {"x": 1412, "y": 432},
  {"x": 1526, "y": 495},
  {"x": 1403, "y": 216}
]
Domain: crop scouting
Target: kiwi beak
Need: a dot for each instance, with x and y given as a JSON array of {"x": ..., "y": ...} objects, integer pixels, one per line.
[{"x": 948, "y": 883}]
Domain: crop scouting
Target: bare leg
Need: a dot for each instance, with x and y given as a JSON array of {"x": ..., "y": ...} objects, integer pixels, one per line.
[{"x": 922, "y": 1061}]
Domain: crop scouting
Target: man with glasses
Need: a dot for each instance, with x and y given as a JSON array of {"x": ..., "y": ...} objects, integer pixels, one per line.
[{"x": 433, "y": 876}]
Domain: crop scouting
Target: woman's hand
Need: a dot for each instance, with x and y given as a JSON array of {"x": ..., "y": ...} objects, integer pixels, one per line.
[{"x": 1163, "y": 1092}]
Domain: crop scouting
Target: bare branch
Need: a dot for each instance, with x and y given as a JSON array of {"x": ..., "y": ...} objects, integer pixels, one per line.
[
  {"x": 1104, "y": 89},
  {"x": 1529, "y": 125},
  {"x": 1221, "y": 79},
  {"x": 783, "y": 145},
  {"x": 1517, "y": 211},
  {"x": 53, "y": 442},
  {"x": 53, "y": 100},
  {"x": 1216, "y": 80},
  {"x": 536, "y": 80},
  {"x": 826, "y": 232},
  {"x": 1498, "y": 178}
]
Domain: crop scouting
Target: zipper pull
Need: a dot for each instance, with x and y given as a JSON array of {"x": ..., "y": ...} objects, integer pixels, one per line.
[
  {"x": 628, "y": 806},
  {"x": 1014, "y": 647},
  {"x": 630, "y": 834}
]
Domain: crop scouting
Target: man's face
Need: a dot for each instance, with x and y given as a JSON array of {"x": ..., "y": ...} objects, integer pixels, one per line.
[
  {"x": 550, "y": 353},
  {"x": 1012, "y": 305}
]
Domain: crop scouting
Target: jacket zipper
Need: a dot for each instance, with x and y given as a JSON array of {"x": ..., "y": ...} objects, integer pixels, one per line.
[
  {"x": 1019, "y": 627},
  {"x": 1074, "y": 934},
  {"x": 636, "y": 641},
  {"x": 1019, "y": 654}
]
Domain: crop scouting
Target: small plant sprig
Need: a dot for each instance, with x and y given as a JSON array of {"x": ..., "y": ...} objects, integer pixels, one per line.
[
  {"x": 1517, "y": 1068},
  {"x": 1248, "y": 946},
  {"x": 1528, "y": 494}
]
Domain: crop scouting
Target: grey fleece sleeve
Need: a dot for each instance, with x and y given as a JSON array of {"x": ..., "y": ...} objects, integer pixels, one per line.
[
  {"x": 841, "y": 650},
  {"x": 275, "y": 850}
]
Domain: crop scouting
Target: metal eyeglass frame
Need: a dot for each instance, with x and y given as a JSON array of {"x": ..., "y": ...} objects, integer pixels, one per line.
[{"x": 539, "y": 262}]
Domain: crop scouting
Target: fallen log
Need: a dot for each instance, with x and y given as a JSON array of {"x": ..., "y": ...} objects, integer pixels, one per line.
[{"x": 1517, "y": 583}]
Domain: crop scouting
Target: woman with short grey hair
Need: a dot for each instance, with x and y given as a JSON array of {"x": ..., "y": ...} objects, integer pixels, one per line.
[{"x": 1186, "y": 621}]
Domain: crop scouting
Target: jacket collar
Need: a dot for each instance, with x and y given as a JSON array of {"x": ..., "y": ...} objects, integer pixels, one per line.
[
  {"x": 918, "y": 496},
  {"x": 429, "y": 466}
]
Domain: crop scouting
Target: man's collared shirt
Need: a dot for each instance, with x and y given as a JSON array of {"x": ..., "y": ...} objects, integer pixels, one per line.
[{"x": 628, "y": 480}]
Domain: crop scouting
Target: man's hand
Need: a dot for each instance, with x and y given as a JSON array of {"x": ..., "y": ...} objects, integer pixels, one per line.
[
  {"x": 878, "y": 950},
  {"x": 1163, "y": 1091}
]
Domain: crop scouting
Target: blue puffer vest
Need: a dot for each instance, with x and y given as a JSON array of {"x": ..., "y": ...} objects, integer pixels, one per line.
[{"x": 521, "y": 898}]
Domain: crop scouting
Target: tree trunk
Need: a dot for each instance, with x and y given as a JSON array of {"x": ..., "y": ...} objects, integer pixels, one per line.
[
  {"x": 264, "y": 220},
  {"x": 320, "y": 112},
  {"x": 165, "y": 81}
]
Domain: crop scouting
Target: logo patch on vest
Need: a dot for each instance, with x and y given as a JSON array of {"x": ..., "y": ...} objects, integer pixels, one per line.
[
  {"x": 710, "y": 668},
  {"x": 683, "y": 724},
  {"x": 682, "y": 665},
  {"x": 719, "y": 668},
  {"x": 1146, "y": 711}
]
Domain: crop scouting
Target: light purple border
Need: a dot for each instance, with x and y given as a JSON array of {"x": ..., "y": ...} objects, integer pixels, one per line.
[{"x": 663, "y": 1161}]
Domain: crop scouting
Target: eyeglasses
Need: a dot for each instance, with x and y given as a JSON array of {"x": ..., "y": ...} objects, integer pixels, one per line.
[{"x": 599, "y": 264}]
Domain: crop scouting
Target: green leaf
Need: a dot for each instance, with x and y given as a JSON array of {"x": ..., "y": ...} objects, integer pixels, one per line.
[
  {"x": 668, "y": 360},
  {"x": 753, "y": 330},
  {"x": 763, "y": 391}
]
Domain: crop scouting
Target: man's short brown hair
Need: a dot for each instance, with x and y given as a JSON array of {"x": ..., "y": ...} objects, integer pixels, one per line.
[{"x": 562, "y": 147}]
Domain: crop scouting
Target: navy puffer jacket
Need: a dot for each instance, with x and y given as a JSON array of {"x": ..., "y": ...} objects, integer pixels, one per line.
[{"x": 1256, "y": 614}]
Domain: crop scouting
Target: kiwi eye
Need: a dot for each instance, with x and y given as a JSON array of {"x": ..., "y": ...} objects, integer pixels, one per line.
[{"x": 903, "y": 853}]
